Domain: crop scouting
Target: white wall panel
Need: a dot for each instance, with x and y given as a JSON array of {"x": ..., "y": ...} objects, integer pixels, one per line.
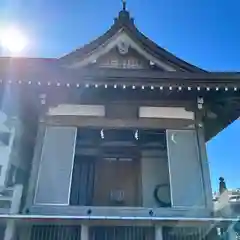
[
  {"x": 185, "y": 169},
  {"x": 55, "y": 170},
  {"x": 77, "y": 110},
  {"x": 165, "y": 112}
]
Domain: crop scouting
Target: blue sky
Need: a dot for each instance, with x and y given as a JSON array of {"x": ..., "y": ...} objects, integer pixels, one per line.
[{"x": 202, "y": 32}]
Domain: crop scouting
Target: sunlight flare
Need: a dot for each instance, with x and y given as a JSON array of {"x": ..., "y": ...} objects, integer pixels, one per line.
[{"x": 13, "y": 40}]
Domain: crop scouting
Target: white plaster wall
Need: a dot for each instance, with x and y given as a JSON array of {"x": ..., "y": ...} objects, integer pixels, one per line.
[
  {"x": 77, "y": 110},
  {"x": 165, "y": 112},
  {"x": 154, "y": 172}
]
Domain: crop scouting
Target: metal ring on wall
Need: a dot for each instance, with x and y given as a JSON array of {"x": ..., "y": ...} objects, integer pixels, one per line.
[{"x": 157, "y": 198}]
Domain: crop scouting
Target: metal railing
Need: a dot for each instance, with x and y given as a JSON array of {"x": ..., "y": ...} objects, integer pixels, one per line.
[
  {"x": 63, "y": 231},
  {"x": 73, "y": 232},
  {"x": 56, "y": 232},
  {"x": 189, "y": 233},
  {"x": 122, "y": 232}
]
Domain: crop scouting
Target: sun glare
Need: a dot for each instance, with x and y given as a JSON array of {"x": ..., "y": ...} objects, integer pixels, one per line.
[{"x": 13, "y": 40}]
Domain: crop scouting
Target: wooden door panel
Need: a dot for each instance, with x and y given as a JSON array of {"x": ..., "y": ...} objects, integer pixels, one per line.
[{"x": 116, "y": 175}]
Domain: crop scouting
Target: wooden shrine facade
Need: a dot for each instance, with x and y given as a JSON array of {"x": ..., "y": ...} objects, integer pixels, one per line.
[{"x": 116, "y": 130}]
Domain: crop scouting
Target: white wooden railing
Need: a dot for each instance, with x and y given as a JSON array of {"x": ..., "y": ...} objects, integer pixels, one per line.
[{"x": 10, "y": 201}]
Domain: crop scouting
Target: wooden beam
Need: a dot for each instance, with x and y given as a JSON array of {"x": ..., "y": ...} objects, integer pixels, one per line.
[{"x": 79, "y": 121}]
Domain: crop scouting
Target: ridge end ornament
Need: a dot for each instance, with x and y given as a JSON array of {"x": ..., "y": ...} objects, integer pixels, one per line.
[{"x": 124, "y": 5}]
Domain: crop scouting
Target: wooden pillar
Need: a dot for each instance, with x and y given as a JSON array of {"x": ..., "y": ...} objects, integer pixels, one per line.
[
  {"x": 199, "y": 113},
  {"x": 231, "y": 234},
  {"x": 84, "y": 232},
  {"x": 205, "y": 169},
  {"x": 158, "y": 232}
]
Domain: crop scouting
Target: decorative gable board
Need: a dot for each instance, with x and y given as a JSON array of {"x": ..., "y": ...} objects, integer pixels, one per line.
[
  {"x": 129, "y": 60},
  {"x": 129, "y": 54}
]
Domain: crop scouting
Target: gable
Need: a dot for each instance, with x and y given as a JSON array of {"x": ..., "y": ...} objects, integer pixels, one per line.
[
  {"x": 121, "y": 51},
  {"x": 124, "y": 33}
]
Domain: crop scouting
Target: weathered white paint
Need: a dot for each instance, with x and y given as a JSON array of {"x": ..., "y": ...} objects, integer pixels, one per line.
[
  {"x": 77, "y": 110},
  {"x": 165, "y": 112},
  {"x": 154, "y": 171},
  {"x": 113, "y": 42}
]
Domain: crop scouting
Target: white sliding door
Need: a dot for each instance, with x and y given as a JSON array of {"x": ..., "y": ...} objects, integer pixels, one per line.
[
  {"x": 185, "y": 169},
  {"x": 55, "y": 171}
]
